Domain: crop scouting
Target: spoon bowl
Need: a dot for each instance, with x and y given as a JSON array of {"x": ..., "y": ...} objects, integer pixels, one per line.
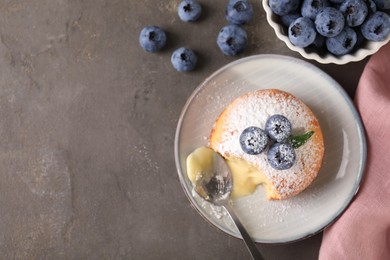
[{"x": 216, "y": 186}]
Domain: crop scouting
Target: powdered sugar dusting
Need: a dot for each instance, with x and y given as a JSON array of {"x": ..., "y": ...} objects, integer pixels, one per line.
[
  {"x": 216, "y": 211},
  {"x": 253, "y": 109}
]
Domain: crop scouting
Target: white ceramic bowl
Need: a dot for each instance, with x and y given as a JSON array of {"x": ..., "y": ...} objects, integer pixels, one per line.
[{"x": 309, "y": 53}]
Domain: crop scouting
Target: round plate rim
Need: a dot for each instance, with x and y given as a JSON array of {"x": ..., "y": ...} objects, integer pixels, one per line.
[{"x": 334, "y": 84}]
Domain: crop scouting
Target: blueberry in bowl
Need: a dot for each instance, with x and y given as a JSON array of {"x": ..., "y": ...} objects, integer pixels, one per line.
[
  {"x": 301, "y": 32},
  {"x": 310, "y": 8},
  {"x": 283, "y": 7},
  {"x": 382, "y": 4},
  {"x": 376, "y": 27},
  {"x": 366, "y": 18},
  {"x": 329, "y": 22},
  {"x": 354, "y": 11},
  {"x": 342, "y": 43},
  {"x": 287, "y": 19}
]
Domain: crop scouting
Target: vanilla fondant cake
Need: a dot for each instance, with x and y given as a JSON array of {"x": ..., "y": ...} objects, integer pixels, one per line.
[{"x": 272, "y": 138}]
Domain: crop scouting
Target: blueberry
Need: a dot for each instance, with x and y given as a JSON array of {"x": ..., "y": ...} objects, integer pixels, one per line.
[
  {"x": 232, "y": 40},
  {"x": 360, "y": 40},
  {"x": 329, "y": 22},
  {"x": 382, "y": 4},
  {"x": 281, "y": 156},
  {"x": 283, "y": 7},
  {"x": 342, "y": 43},
  {"x": 152, "y": 38},
  {"x": 354, "y": 11},
  {"x": 183, "y": 59},
  {"x": 289, "y": 18},
  {"x": 253, "y": 140},
  {"x": 239, "y": 12},
  {"x": 371, "y": 6},
  {"x": 302, "y": 32},
  {"x": 336, "y": 2},
  {"x": 278, "y": 128},
  {"x": 310, "y": 8},
  {"x": 189, "y": 10},
  {"x": 376, "y": 27},
  {"x": 319, "y": 42}
]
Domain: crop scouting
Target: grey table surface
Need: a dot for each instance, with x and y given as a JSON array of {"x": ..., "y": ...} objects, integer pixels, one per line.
[{"x": 87, "y": 124}]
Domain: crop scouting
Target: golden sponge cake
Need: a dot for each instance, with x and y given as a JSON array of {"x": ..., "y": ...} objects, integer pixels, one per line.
[{"x": 253, "y": 109}]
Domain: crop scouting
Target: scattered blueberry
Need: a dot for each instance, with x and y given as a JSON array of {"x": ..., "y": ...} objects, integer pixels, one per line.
[
  {"x": 382, "y": 4},
  {"x": 183, "y": 59},
  {"x": 376, "y": 27},
  {"x": 253, "y": 140},
  {"x": 283, "y": 7},
  {"x": 354, "y": 11},
  {"x": 152, "y": 38},
  {"x": 232, "y": 40},
  {"x": 189, "y": 10},
  {"x": 342, "y": 43},
  {"x": 310, "y": 8},
  {"x": 281, "y": 156},
  {"x": 329, "y": 22},
  {"x": 289, "y": 18},
  {"x": 239, "y": 12},
  {"x": 278, "y": 128},
  {"x": 302, "y": 32}
]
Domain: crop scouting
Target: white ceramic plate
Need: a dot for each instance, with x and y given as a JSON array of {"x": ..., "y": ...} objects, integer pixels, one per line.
[{"x": 345, "y": 148}]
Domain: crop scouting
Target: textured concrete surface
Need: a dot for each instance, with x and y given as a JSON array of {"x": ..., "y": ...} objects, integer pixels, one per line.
[{"x": 87, "y": 123}]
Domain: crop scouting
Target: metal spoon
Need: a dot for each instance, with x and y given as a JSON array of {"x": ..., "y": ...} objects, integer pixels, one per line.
[{"x": 215, "y": 186}]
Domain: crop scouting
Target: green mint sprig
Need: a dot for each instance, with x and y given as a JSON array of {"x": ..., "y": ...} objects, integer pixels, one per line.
[{"x": 299, "y": 140}]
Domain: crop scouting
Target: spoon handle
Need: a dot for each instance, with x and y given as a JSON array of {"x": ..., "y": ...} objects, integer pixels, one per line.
[{"x": 256, "y": 255}]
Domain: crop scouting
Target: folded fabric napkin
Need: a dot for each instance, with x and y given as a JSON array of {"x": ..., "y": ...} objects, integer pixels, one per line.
[{"x": 363, "y": 231}]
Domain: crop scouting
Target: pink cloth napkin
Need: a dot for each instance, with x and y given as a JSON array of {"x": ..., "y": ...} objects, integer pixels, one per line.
[{"x": 363, "y": 231}]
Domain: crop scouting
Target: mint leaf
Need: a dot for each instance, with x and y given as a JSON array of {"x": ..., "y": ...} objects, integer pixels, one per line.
[{"x": 299, "y": 140}]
